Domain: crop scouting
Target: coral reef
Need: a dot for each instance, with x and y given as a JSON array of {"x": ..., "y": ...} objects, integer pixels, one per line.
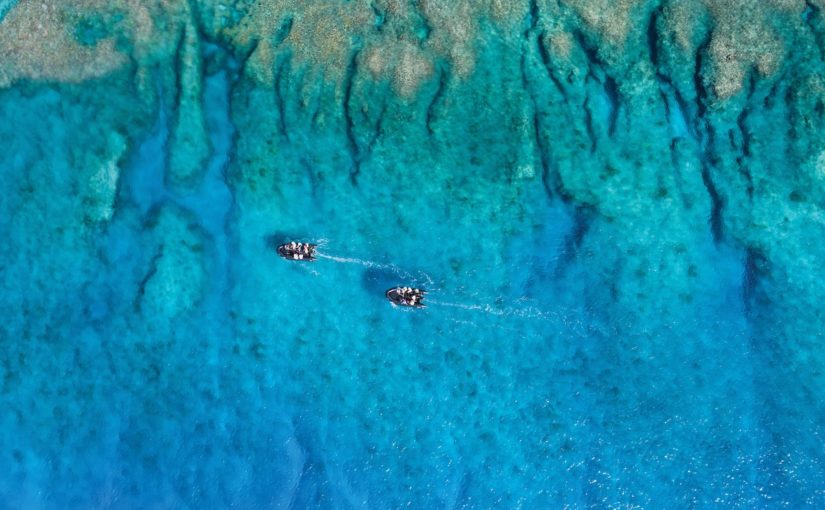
[{"x": 661, "y": 162}]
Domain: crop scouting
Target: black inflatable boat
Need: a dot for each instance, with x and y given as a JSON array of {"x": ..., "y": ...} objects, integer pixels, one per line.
[
  {"x": 297, "y": 251},
  {"x": 406, "y": 296}
]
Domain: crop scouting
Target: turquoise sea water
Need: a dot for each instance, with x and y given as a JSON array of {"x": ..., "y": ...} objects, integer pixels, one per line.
[{"x": 595, "y": 343}]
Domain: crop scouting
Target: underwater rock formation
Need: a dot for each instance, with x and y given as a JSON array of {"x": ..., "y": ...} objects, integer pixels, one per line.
[{"x": 680, "y": 146}]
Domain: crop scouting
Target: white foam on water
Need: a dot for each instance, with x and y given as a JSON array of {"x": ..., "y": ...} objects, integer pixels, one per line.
[
  {"x": 560, "y": 316},
  {"x": 527, "y": 312},
  {"x": 309, "y": 270},
  {"x": 406, "y": 275}
]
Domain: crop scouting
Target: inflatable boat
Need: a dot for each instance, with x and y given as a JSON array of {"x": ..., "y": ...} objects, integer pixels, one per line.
[
  {"x": 297, "y": 251},
  {"x": 406, "y": 296}
]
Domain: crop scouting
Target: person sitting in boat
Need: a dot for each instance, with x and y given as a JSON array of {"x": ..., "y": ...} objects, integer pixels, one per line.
[
  {"x": 297, "y": 251},
  {"x": 406, "y": 296},
  {"x": 411, "y": 295}
]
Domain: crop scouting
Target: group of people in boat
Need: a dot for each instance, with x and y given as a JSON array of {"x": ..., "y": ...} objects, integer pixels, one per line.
[
  {"x": 297, "y": 251},
  {"x": 409, "y": 296},
  {"x": 402, "y": 296}
]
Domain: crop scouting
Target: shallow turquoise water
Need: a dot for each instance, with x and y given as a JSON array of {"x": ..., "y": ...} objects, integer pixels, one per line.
[{"x": 163, "y": 356}]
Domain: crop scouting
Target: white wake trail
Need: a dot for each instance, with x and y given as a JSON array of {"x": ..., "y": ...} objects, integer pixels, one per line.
[
  {"x": 507, "y": 311},
  {"x": 406, "y": 275}
]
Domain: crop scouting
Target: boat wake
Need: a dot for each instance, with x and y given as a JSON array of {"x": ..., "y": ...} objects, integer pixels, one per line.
[
  {"x": 527, "y": 312},
  {"x": 418, "y": 278},
  {"x": 557, "y": 315},
  {"x": 308, "y": 269}
]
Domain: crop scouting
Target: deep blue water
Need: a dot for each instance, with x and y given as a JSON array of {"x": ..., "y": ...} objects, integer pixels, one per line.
[{"x": 157, "y": 353}]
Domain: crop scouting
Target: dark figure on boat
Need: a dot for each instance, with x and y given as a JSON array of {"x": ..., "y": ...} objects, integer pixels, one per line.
[
  {"x": 406, "y": 296},
  {"x": 297, "y": 251}
]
